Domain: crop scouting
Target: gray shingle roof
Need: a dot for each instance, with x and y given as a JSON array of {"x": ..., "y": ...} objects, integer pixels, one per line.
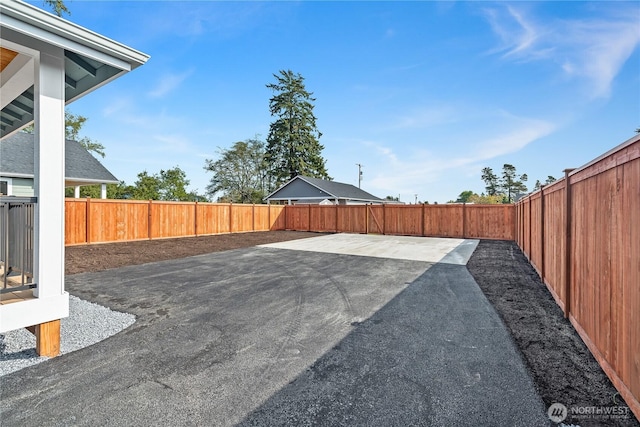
[
  {"x": 16, "y": 158},
  {"x": 320, "y": 188}
]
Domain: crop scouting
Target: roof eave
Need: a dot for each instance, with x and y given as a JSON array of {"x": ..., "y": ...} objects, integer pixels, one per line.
[{"x": 51, "y": 25}]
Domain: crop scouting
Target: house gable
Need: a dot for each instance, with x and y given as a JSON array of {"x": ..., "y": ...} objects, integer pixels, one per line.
[{"x": 298, "y": 189}]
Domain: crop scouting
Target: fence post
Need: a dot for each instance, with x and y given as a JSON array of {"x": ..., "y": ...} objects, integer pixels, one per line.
[
  {"x": 366, "y": 218},
  {"x": 567, "y": 243},
  {"x": 336, "y": 205},
  {"x": 88, "y": 221},
  {"x": 149, "y": 219},
  {"x": 464, "y": 220},
  {"x": 309, "y": 217},
  {"x": 530, "y": 230},
  {"x": 253, "y": 217},
  {"x": 230, "y": 217},
  {"x": 422, "y": 220},
  {"x": 195, "y": 220},
  {"x": 384, "y": 220},
  {"x": 542, "y": 233}
]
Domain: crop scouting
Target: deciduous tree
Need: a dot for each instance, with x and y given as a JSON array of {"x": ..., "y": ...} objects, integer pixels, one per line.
[
  {"x": 240, "y": 173},
  {"x": 72, "y": 125},
  {"x": 293, "y": 143},
  {"x": 464, "y": 196}
]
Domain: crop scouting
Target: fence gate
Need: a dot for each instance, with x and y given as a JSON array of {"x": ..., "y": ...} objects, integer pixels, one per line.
[{"x": 375, "y": 219}]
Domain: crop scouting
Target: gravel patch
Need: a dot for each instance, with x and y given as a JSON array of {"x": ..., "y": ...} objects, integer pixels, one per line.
[{"x": 87, "y": 324}]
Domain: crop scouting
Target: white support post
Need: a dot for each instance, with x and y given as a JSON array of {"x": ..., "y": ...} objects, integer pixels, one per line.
[
  {"x": 103, "y": 191},
  {"x": 76, "y": 192},
  {"x": 49, "y": 173}
]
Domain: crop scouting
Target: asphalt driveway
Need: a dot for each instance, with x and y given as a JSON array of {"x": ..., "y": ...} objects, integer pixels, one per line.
[{"x": 273, "y": 336}]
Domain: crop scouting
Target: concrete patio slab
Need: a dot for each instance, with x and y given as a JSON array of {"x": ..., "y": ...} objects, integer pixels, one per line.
[{"x": 427, "y": 249}]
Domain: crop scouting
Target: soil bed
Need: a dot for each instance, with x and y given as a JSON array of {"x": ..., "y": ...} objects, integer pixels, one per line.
[
  {"x": 98, "y": 257},
  {"x": 562, "y": 368}
]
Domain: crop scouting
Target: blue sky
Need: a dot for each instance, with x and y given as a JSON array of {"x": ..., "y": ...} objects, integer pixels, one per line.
[{"x": 422, "y": 94}]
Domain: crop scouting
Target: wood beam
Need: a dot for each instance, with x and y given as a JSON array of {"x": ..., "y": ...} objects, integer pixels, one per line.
[
  {"x": 48, "y": 338},
  {"x": 80, "y": 62}
]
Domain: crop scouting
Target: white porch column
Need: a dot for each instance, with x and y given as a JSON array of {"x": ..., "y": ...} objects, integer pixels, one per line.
[
  {"x": 49, "y": 173},
  {"x": 76, "y": 192},
  {"x": 103, "y": 191}
]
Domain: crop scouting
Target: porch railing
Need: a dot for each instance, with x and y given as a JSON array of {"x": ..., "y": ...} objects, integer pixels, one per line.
[{"x": 16, "y": 243}]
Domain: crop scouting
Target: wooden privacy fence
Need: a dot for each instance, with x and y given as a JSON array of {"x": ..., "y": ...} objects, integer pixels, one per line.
[
  {"x": 458, "y": 220},
  {"x": 582, "y": 235},
  {"x": 100, "y": 221}
]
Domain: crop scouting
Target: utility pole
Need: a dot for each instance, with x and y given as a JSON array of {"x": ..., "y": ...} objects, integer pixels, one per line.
[
  {"x": 416, "y": 202},
  {"x": 359, "y": 173}
]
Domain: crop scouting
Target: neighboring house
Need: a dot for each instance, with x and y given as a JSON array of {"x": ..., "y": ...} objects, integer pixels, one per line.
[
  {"x": 46, "y": 62},
  {"x": 305, "y": 190},
  {"x": 16, "y": 166}
]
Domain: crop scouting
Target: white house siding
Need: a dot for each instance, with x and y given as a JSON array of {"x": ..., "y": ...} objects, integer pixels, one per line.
[{"x": 22, "y": 187}]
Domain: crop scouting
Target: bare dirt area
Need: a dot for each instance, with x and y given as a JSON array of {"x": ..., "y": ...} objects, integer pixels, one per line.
[
  {"x": 98, "y": 257},
  {"x": 561, "y": 366}
]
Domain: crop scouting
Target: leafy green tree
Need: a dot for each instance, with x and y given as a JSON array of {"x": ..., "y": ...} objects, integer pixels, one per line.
[
  {"x": 240, "y": 173},
  {"x": 146, "y": 187},
  {"x": 483, "y": 199},
  {"x": 293, "y": 143},
  {"x": 393, "y": 199},
  {"x": 464, "y": 196},
  {"x": 114, "y": 191},
  {"x": 511, "y": 183},
  {"x": 58, "y": 7},
  {"x": 72, "y": 126},
  {"x": 173, "y": 185},
  {"x": 491, "y": 181},
  {"x": 550, "y": 179},
  {"x": 169, "y": 185}
]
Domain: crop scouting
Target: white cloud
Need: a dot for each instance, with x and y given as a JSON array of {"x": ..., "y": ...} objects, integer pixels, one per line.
[
  {"x": 168, "y": 83},
  {"x": 595, "y": 49},
  {"x": 425, "y": 117},
  {"x": 400, "y": 173}
]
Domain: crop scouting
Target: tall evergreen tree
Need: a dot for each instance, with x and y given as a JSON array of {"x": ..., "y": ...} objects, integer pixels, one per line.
[
  {"x": 293, "y": 146},
  {"x": 511, "y": 183},
  {"x": 491, "y": 181}
]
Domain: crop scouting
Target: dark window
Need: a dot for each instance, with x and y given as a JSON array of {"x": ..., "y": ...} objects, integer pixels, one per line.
[{"x": 3, "y": 188}]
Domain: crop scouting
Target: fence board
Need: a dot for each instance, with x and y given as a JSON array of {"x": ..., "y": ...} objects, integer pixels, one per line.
[
  {"x": 535, "y": 255},
  {"x": 489, "y": 222},
  {"x": 374, "y": 219},
  {"x": 172, "y": 219},
  {"x": 75, "y": 220},
  {"x": 323, "y": 218},
  {"x": 443, "y": 221},
  {"x": 213, "y": 218},
  {"x": 113, "y": 221},
  {"x": 554, "y": 242},
  {"x": 241, "y": 218},
  {"x": 403, "y": 220},
  {"x": 277, "y": 217},
  {"x": 602, "y": 298},
  {"x": 351, "y": 219}
]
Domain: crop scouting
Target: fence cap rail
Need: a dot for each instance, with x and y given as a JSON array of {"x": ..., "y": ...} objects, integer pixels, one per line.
[{"x": 14, "y": 199}]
